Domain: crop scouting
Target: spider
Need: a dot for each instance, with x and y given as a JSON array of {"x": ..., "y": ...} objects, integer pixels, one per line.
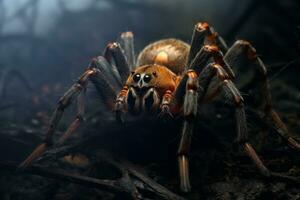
[{"x": 170, "y": 77}]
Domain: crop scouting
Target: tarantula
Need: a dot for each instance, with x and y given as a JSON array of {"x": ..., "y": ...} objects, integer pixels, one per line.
[{"x": 170, "y": 78}]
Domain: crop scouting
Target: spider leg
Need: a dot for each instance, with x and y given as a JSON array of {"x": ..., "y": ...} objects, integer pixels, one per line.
[
  {"x": 109, "y": 71},
  {"x": 210, "y": 53},
  {"x": 102, "y": 85},
  {"x": 64, "y": 101},
  {"x": 232, "y": 94},
  {"x": 207, "y": 54},
  {"x": 242, "y": 53},
  {"x": 120, "y": 104},
  {"x": 78, "y": 120},
  {"x": 127, "y": 42},
  {"x": 165, "y": 105},
  {"x": 114, "y": 53},
  {"x": 203, "y": 34},
  {"x": 189, "y": 112},
  {"x": 202, "y": 58},
  {"x": 197, "y": 42},
  {"x": 196, "y": 94}
]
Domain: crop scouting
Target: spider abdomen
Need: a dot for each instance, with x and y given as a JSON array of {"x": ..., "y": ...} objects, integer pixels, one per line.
[{"x": 172, "y": 53}]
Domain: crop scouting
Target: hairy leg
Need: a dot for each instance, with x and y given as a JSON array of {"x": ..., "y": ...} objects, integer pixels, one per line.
[
  {"x": 110, "y": 72},
  {"x": 120, "y": 104},
  {"x": 101, "y": 73},
  {"x": 194, "y": 93},
  {"x": 232, "y": 95},
  {"x": 79, "y": 119},
  {"x": 242, "y": 54},
  {"x": 165, "y": 104},
  {"x": 199, "y": 63},
  {"x": 115, "y": 56},
  {"x": 124, "y": 62},
  {"x": 189, "y": 112},
  {"x": 127, "y": 42},
  {"x": 203, "y": 34},
  {"x": 75, "y": 90}
]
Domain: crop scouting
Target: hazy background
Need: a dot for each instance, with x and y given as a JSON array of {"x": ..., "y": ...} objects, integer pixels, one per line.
[
  {"x": 51, "y": 42},
  {"x": 46, "y": 44}
]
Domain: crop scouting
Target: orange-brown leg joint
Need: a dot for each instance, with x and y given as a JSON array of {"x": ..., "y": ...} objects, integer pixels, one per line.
[
  {"x": 165, "y": 103},
  {"x": 202, "y": 26},
  {"x": 210, "y": 34},
  {"x": 167, "y": 97},
  {"x": 221, "y": 73},
  {"x": 122, "y": 94},
  {"x": 192, "y": 74},
  {"x": 192, "y": 77},
  {"x": 211, "y": 48},
  {"x": 120, "y": 104},
  {"x": 216, "y": 53}
]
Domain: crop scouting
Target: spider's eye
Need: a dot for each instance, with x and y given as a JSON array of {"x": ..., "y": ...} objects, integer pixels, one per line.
[
  {"x": 136, "y": 77},
  {"x": 147, "y": 78}
]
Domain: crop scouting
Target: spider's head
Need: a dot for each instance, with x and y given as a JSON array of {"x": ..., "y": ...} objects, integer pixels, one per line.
[
  {"x": 143, "y": 78},
  {"x": 142, "y": 95},
  {"x": 146, "y": 86}
]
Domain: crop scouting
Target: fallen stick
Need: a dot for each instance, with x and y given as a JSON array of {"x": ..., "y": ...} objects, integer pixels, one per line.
[{"x": 119, "y": 186}]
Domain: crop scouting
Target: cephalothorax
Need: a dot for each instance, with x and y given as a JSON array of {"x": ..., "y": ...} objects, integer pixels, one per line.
[
  {"x": 150, "y": 86},
  {"x": 171, "y": 77}
]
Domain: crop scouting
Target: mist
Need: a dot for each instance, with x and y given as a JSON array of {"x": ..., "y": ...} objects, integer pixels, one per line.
[{"x": 46, "y": 45}]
